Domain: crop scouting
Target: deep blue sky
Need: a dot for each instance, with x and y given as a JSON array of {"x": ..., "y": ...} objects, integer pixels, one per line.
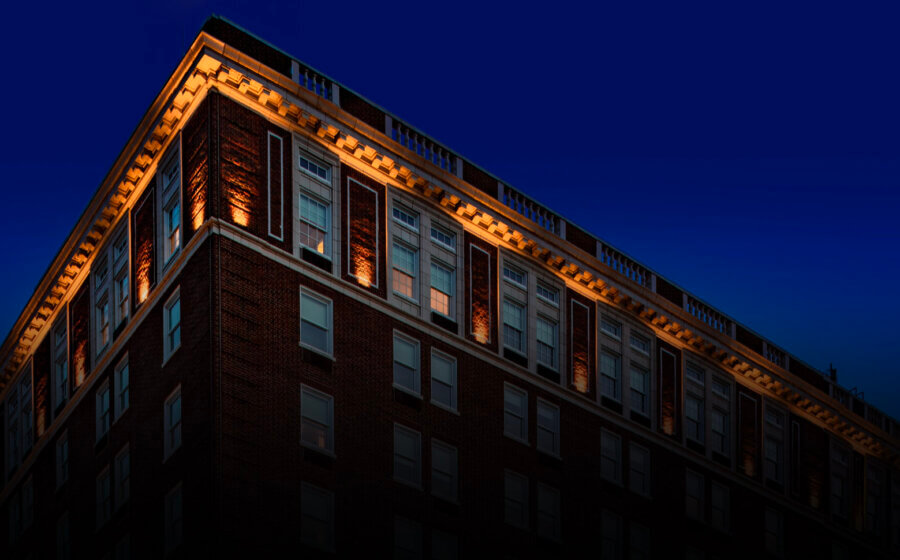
[{"x": 749, "y": 153}]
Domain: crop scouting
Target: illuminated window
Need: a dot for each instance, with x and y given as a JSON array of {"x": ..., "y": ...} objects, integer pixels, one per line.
[
  {"x": 547, "y": 331},
  {"x": 515, "y": 276},
  {"x": 60, "y": 362},
  {"x": 315, "y": 321},
  {"x": 443, "y": 237},
  {"x": 406, "y": 364},
  {"x": 774, "y": 532},
  {"x": 548, "y": 294},
  {"x": 121, "y": 385},
  {"x": 314, "y": 224},
  {"x": 102, "y": 410},
  {"x": 407, "y": 455},
  {"x": 720, "y": 509},
  {"x": 172, "y": 324},
  {"x": 123, "y": 476},
  {"x": 62, "y": 459},
  {"x": 314, "y": 169},
  {"x": 548, "y": 516},
  {"x": 547, "y": 427},
  {"x": 515, "y": 498},
  {"x": 443, "y": 470},
  {"x": 514, "y": 325},
  {"x": 316, "y": 419},
  {"x": 611, "y": 456},
  {"x": 611, "y": 327},
  {"x": 174, "y": 518},
  {"x": 639, "y": 469},
  {"x": 610, "y": 375},
  {"x": 442, "y": 289},
  {"x": 406, "y": 217},
  {"x": 640, "y": 343},
  {"x": 172, "y": 423},
  {"x": 443, "y": 380},
  {"x": 407, "y": 538},
  {"x": 515, "y": 413},
  {"x": 774, "y": 445},
  {"x": 170, "y": 187},
  {"x": 316, "y": 517},
  {"x": 640, "y": 390},
  {"x": 694, "y": 495},
  {"x": 104, "y": 497},
  {"x": 405, "y": 262}
]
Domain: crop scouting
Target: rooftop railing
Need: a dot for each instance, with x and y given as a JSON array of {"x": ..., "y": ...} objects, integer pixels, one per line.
[{"x": 531, "y": 210}]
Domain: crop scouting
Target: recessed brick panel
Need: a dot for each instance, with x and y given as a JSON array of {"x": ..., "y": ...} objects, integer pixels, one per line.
[
  {"x": 582, "y": 349},
  {"x": 80, "y": 337},
  {"x": 363, "y": 230},
  {"x": 748, "y": 423},
  {"x": 481, "y": 291},
  {"x": 668, "y": 379},
  {"x": 42, "y": 386}
]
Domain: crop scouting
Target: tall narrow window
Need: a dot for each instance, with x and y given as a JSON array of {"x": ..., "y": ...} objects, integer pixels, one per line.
[
  {"x": 774, "y": 532},
  {"x": 316, "y": 419},
  {"x": 102, "y": 408},
  {"x": 694, "y": 495},
  {"x": 514, "y": 325},
  {"x": 407, "y": 539},
  {"x": 639, "y": 469},
  {"x": 694, "y": 403},
  {"x": 171, "y": 208},
  {"x": 720, "y": 416},
  {"x": 548, "y": 512},
  {"x": 121, "y": 386},
  {"x": 639, "y": 542},
  {"x": 104, "y": 498},
  {"x": 172, "y": 324},
  {"x": 120, "y": 277},
  {"x": 405, "y": 261},
  {"x": 314, "y": 225},
  {"x": 316, "y": 517},
  {"x": 174, "y": 518},
  {"x": 172, "y": 423},
  {"x": 840, "y": 478},
  {"x": 721, "y": 507},
  {"x": 515, "y": 497},
  {"x": 610, "y": 375},
  {"x": 640, "y": 390},
  {"x": 60, "y": 362},
  {"x": 442, "y": 289},
  {"x": 874, "y": 501},
  {"x": 443, "y": 380},
  {"x": 610, "y": 456},
  {"x": 515, "y": 413},
  {"x": 100, "y": 275},
  {"x": 63, "y": 546},
  {"x": 444, "y": 546},
  {"x": 62, "y": 459},
  {"x": 610, "y": 535},
  {"x": 547, "y": 427},
  {"x": 406, "y": 364},
  {"x": 443, "y": 470},
  {"x": 774, "y": 446},
  {"x": 123, "y": 476},
  {"x": 407, "y": 455},
  {"x": 315, "y": 321},
  {"x": 547, "y": 342}
]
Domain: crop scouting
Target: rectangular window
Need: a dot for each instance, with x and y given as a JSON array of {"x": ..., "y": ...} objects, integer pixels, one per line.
[
  {"x": 315, "y": 321},
  {"x": 316, "y": 517},
  {"x": 443, "y": 380},
  {"x": 547, "y": 342},
  {"x": 693, "y": 498},
  {"x": 405, "y": 261},
  {"x": 547, "y": 427},
  {"x": 720, "y": 421},
  {"x": 694, "y": 373},
  {"x": 639, "y": 542},
  {"x": 407, "y": 539},
  {"x": 407, "y": 455},
  {"x": 610, "y": 456},
  {"x": 548, "y": 294},
  {"x": 406, "y": 217},
  {"x": 314, "y": 169},
  {"x": 172, "y": 423},
  {"x": 174, "y": 518},
  {"x": 693, "y": 417},
  {"x": 611, "y": 327},
  {"x": 443, "y": 470},
  {"x": 172, "y": 324},
  {"x": 442, "y": 289},
  {"x": 61, "y": 362},
  {"x": 774, "y": 446},
  {"x": 443, "y": 237},
  {"x": 120, "y": 277},
  {"x": 123, "y": 476},
  {"x": 316, "y": 419},
  {"x": 640, "y": 343},
  {"x": 610, "y": 535},
  {"x": 171, "y": 208},
  {"x": 62, "y": 459},
  {"x": 314, "y": 228},
  {"x": 721, "y": 507},
  {"x": 610, "y": 375},
  {"x": 444, "y": 546},
  {"x": 774, "y": 532},
  {"x": 514, "y": 325},
  {"x": 548, "y": 512},
  {"x": 102, "y": 407},
  {"x": 515, "y": 498},
  {"x": 104, "y": 498},
  {"x": 515, "y": 413},
  {"x": 640, "y": 390},
  {"x": 639, "y": 469},
  {"x": 406, "y": 364},
  {"x": 840, "y": 477},
  {"x": 515, "y": 276},
  {"x": 121, "y": 385},
  {"x": 103, "y": 330}
]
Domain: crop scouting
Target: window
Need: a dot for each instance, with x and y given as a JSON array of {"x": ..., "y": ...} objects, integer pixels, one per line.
[
  {"x": 406, "y": 364},
  {"x": 640, "y": 390},
  {"x": 515, "y": 413},
  {"x": 407, "y": 539},
  {"x": 443, "y": 380},
  {"x": 611, "y": 327},
  {"x": 316, "y": 516},
  {"x": 514, "y": 325},
  {"x": 442, "y": 289},
  {"x": 547, "y": 342},
  {"x": 121, "y": 385},
  {"x": 62, "y": 459},
  {"x": 610, "y": 375},
  {"x": 316, "y": 419},
  {"x": 639, "y": 469},
  {"x": 720, "y": 424},
  {"x": 123, "y": 476},
  {"x": 102, "y": 407},
  {"x": 61, "y": 362},
  {"x": 407, "y": 455},
  {"x": 314, "y": 228},
  {"x": 104, "y": 498},
  {"x": 515, "y": 276},
  {"x": 840, "y": 476},
  {"x": 693, "y": 417},
  {"x": 444, "y": 546},
  {"x": 610, "y": 456},
  {"x": 694, "y": 500},
  {"x": 103, "y": 330},
  {"x": 774, "y": 532},
  {"x": 172, "y": 324},
  {"x": 774, "y": 446},
  {"x": 315, "y": 321},
  {"x": 123, "y": 548},
  {"x": 547, "y": 427},
  {"x": 721, "y": 507},
  {"x": 610, "y": 535},
  {"x": 120, "y": 277},
  {"x": 640, "y": 343},
  {"x": 443, "y": 470},
  {"x": 174, "y": 518},
  {"x": 406, "y": 217},
  {"x": 63, "y": 546},
  {"x": 171, "y": 208},
  {"x": 515, "y": 498},
  {"x": 405, "y": 260},
  {"x": 548, "y": 517},
  {"x": 694, "y": 373},
  {"x": 548, "y": 294},
  {"x": 443, "y": 237},
  {"x": 315, "y": 169},
  {"x": 639, "y": 542},
  {"x": 172, "y": 423}
]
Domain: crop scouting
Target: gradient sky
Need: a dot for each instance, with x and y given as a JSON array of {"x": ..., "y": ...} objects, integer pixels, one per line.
[{"x": 749, "y": 153}]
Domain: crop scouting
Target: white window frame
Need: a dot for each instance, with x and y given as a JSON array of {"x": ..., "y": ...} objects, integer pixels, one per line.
[
  {"x": 122, "y": 388},
  {"x": 451, "y": 297},
  {"x": 269, "y": 136},
  {"x": 551, "y": 428},
  {"x": 634, "y": 451},
  {"x": 416, "y": 367},
  {"x": 644, "y": 373},
  {"x": 307, "y": 507},
  {"x": 510, "y": 271},
  {"x": 447, "y": 232},
  {"x": 615, "y": 379},
  {"x": 554, "y": 325},
  {"x": 103, "y": 417},
  {"x": 302, "y": 155},
  {"x": 611, "y": 456},
  {"x": 522, "y": 327},
  {"x": 611, "y": 327},
  {"x": 60, "y": 360},
  {"x": 329, "y": 318},
  {"x": 774, "y": 440},
  {"x": 515, "y": 481},
  {"x": 121, "y": 271},
  {"x": 450, "y": 471},
  {"x": 399, "y": 431},
  {"x": 641, "y": 339},
  {"x": 454, "y": 384},
  {"x": 171, "y": 442},
  {"x": 327, "y": 426},
  {"x": 326, "y": 242},
  {"x": 170, "y": 347},
  {"x": 413, "y": 275},
  {"x": 170, "y": 199},
  {"x": 522, "y": 435},
  {"x": 553, "y": 300},
  {"x": 405, "y": 211}
]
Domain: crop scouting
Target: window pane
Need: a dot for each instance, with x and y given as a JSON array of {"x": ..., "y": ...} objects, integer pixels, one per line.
[{"x": 314, "y": 311}]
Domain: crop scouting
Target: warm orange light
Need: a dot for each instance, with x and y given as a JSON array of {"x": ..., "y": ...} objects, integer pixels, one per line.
[
  {"x": 749, "y": 466},
  {"x": 142, "y": 271},
  {"x": 239, "y": 216},
  {"x": 668, "y": 425},
  {"x": 321, "y": 247},
  {"x": 41, "y": 422},
  {"x": 362, "y": 266},
  {"x": 481, "y": 321},
  {"x": 581, "y": 379},
  {"x": 80, "y": 359}
]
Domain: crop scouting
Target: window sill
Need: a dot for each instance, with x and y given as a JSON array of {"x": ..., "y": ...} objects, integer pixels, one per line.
[
  {"x": 442, "y": 406},
  {"x": 405, "y": 298},
  {"x": 325, "y": 452},
  {"x": 318, "y": 351},
  {"x": 611, "y": 336},
  {"x": 408, "y": 391},
  {"x": 551, "y": 454},
  {"x": 169, "y": 355},
  {"x": 517, "y": 439}
]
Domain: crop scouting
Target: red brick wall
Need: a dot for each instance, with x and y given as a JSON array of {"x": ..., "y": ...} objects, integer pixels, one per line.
[
  {"x": 364, "y": 232},
  {"x": 481, "y": 286},
  {"x": 582, "y": 354}
]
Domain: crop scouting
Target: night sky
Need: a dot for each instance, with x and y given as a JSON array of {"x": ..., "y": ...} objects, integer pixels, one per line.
[{"x": 750, "y": 154}]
